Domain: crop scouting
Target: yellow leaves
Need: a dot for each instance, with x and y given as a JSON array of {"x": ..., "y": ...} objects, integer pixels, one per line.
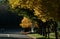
[
  {"x": 36, "y": 12},
  {"x": 13, "y": 3},
  {"x": 31, "y": 4},
  {"x": 23, "y": 3},
  {"x": 27, "y": 2},
  {"x": 26, "y": 23}
]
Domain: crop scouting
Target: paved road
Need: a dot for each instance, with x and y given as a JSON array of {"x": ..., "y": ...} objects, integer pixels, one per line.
[
  {"x": 12, "y": 33},
  {"x": 14, "y": 36}
]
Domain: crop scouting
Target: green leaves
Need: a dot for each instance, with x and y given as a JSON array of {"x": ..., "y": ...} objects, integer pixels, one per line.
[{"x": 25, "y": 12}]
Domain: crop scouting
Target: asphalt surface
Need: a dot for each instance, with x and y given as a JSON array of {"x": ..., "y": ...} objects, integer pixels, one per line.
[{"x": 14, "y": 36}]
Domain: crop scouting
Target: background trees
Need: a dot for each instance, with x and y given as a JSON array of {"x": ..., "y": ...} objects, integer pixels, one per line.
[
  {"x": 42, "y": 9},
  {"x": 35, "y": 9}
]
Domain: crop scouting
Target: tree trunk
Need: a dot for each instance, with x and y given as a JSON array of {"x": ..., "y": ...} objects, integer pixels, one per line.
[
  {"x": 56, "y": 33},
  {"x": 32, "y": 28}
]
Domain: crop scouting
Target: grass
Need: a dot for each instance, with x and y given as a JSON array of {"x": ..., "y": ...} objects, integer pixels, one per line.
[
  {"x": 52, "y": 36},
  {"x": 35, "y": 35}
]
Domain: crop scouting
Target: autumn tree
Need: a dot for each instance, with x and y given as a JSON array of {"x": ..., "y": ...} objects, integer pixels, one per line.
[
  {"x": 50, "y": 8},
  {"x": 42, "y": 9}
]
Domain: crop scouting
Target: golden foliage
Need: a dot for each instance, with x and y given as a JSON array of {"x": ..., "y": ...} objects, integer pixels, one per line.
[
  {"x": 46, "y": 5},
  {"x": 13, "y": 3},
  {"x": 26, "y": 23},
  {"x": 36, "y": 6},
  {"x": 31, "y": 4}
]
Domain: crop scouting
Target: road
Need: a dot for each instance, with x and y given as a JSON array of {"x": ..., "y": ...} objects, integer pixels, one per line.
[
  {"x": 15, "y": 36},
  {"x": 12, "y": 33}
]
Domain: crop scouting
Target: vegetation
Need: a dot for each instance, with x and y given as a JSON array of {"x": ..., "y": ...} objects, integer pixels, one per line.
[
  {"x": 44, "y": 9},
  {"x": 35, "y": 11}
]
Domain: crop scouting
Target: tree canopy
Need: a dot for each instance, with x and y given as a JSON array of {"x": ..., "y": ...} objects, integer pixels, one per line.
[{"x": 40, "y": 9}]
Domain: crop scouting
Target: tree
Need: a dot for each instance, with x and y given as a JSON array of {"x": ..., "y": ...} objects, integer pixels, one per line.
[
  {"x": 40, "y": 9},
  {"x": 50, "y": 8}
]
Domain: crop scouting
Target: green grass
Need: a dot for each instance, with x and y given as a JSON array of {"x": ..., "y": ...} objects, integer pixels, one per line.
[
  {"x": 35, "y": 35},
  {"x": 52, "y": 36}
]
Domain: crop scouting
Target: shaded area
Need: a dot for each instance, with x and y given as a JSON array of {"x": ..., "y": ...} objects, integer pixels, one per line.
[{"x": 9, "y": 19}]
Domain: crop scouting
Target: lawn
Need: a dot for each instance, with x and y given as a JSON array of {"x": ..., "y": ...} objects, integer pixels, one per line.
[{"x": 52, "y": 36}]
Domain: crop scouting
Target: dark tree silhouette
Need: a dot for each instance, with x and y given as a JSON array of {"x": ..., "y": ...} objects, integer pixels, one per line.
[
  {"x": 55, "y": 28},
  {"x": 41, "y": 26},
  {"x": 50, "y": 23}
]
